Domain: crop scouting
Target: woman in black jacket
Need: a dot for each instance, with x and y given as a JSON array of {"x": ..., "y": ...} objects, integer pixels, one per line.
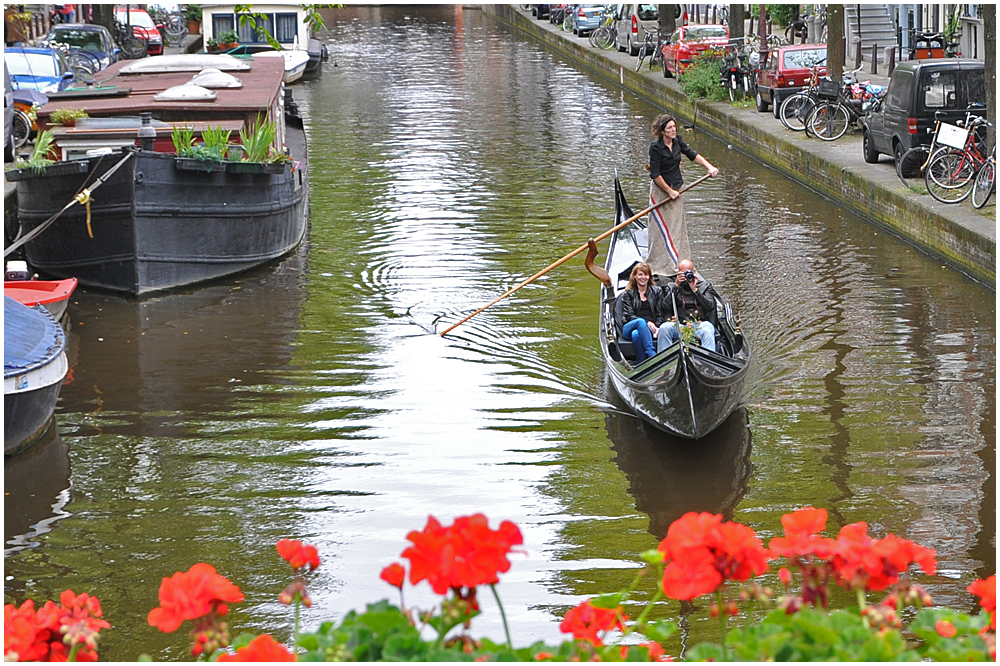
[
  {"x": 641, "y": 311},
  {"x": 668, "y": 238}
]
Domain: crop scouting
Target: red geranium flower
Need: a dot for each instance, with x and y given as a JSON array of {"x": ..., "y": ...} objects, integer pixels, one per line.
[
  {"x": 465, "y": 554},
  {"x": 586, "y": 620},
  {"x": 262, "y": 648},
  {"x": 945, "y": 628},
  {"x": 702, "y": 552},
  {"x": 986, "y": 590},
  {"x": 801, "y": 535},
  {"x": 192, "y": 594},
  {"x": 51, "y": 633},
  {"x": 298, "y": 554},
  {"x": 862, "y": 562},
  {"x": 394, "y": 575}
]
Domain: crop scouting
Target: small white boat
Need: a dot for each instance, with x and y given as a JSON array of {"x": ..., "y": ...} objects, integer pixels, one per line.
[{"x": 295, "y": 62}]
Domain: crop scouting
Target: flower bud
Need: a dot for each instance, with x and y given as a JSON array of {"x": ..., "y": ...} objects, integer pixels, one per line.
[
  {"x": 785, "y": 576},
  {"x": 714, "y": 609}
]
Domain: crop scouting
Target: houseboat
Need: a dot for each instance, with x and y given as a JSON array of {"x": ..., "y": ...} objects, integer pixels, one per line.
[
  {"x": 288, "y": 24},
  {"x": 154, "y": 208}
]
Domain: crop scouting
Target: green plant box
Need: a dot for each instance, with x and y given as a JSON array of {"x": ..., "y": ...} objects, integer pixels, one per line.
[
  {"x": 50, "y": 171},
  {"x": 188, "y": 164},
  {"x": 255, "y": 167}
]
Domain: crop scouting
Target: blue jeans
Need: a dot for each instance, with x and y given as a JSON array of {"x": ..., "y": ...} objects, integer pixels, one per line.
[
  {"x": 637, "y": 331},
  {"x": 669, "y": 335}
]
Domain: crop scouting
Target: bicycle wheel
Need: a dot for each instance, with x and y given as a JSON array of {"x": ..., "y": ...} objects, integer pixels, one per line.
[
  {"x": 949, "y": 175},
  {"x": 83, "y": 63},
  {"x": 910, "y": 167},
  {"x": 731, "y": 87},
  {"x": 21, "y": 128},
  {"x": 829, "y": 121},
  {"x": 986, "y": 181},
  {"x": 795, "y": 109}
]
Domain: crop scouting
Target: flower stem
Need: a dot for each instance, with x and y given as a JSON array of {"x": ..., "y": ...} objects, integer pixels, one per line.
[
  {"x": 72, "y": 652},
  {"x": 722, "y": 624},
  {"x": 641, "y": 620},
  {"x": 860, "y": 592},
  {"x": 295, "y": 630},
  {"x": 503, "y": 616}
]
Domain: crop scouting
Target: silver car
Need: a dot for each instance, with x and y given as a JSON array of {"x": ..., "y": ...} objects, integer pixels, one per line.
[{"x": 635, "y": 22}]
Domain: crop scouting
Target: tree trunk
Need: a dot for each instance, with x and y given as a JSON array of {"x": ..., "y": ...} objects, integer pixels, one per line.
[
  {"x": 104, "y": 15},
  {"x": 737, "y": 20},
  {"x": 762, "y": 30},
  {"x": 668, "y": 22},
  {"x": 990, "y": 42},
  {"x": 835, "y": 55}
]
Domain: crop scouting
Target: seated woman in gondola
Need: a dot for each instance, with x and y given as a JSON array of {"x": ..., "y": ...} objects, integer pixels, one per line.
[{"x": 641, "y": 311}]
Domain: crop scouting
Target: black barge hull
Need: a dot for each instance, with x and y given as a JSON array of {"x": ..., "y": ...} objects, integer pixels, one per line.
[{"x": 160, "y": 222}]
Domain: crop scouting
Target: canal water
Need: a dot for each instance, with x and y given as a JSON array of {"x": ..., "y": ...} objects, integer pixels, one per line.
[{"x": 310, "y": 399}]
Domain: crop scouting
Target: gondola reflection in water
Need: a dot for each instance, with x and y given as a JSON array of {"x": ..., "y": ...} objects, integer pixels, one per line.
[{"x": 685, "y": 390}]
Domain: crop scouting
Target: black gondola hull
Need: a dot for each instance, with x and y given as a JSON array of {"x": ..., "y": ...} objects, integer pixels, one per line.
[{"x": 684, "y": 390}]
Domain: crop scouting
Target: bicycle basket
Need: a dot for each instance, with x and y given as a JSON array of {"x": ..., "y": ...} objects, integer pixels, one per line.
[
  {"x": 827, "y": 89},
  {"x": 952, "y": 136}
]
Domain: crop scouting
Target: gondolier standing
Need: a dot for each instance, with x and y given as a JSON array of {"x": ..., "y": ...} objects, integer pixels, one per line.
[{"x": 668, "y": 237}]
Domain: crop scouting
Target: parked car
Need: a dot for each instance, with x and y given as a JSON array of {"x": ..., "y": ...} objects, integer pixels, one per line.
[
  {"x": 586, "y": 18},
  {"x": 93, "y": 38},
  {"x": 44, "y": 70},
  {"x": 689, "y": 40},
  {"x": 919, "y": 89},
  {"x": 786, "y": 71},
  {"x": 540, "y": 11},
  {"x": 634, "y": 23},
  {"x": 8, "y": 116},
  {"x": 142, "y": 27}
]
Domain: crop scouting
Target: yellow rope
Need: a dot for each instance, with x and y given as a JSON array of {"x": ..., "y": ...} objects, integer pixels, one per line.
[{"x": 84, "y": 198}]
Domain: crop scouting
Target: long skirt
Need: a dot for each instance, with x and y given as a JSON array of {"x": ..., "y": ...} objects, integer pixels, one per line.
[{"x": 668, "y": 237}]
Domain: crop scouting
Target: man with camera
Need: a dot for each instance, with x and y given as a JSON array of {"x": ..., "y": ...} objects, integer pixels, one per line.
[{"x": 695, "y": 298}]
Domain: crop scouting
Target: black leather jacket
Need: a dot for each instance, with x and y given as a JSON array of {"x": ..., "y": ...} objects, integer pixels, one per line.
[
  {"x": 704, "y": 301},
  {"x": 631, "y": 300}
]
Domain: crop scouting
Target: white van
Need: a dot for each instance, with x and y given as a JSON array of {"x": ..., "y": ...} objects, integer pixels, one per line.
[{"x": 634, "y": 22}]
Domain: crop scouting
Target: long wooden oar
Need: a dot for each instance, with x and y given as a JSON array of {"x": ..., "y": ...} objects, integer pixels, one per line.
[{"x": 573, "y": 254}]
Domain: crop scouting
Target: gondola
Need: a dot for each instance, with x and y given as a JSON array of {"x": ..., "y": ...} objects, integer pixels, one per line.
[{"x": 685, "y": 389}]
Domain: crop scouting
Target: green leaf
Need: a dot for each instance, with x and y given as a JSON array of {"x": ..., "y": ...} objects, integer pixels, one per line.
[
  {"x": 660, "y": 631},
  {"x": 607, "y": 600},
  {"x": 705, "y": 652},
  {"x": 652, "y": 556},
  {"x": 242, "y": 641}
]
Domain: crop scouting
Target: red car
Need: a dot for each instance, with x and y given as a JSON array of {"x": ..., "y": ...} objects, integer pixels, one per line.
[
  {"x": 688, "y": 40},
  {"x": 786, "y": 71},
  {"x": 143, "y": 28}
]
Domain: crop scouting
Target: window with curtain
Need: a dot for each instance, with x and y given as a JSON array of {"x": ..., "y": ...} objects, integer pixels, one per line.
[
  {"x": 221, "y": 23},
  {"x": 250, "y": 36},
  {"x": 286, "y": 27}
]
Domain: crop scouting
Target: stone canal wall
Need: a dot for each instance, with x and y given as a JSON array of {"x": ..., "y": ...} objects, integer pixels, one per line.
[{"x": 957, "y": 234}]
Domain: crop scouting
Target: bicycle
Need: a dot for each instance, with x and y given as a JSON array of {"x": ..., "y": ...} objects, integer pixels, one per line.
[
  {"x": 795, "y": 109},
  {"x": 736, "y": 75},
  {"x": 174, "y": 28},
  {"x": 830, "y": 119},
  {"x": 912, "y": 163},
  {"x": 132, "y": 47},
  {"x": 951, "y": 171},
  {"x": 650, "y": 50},
  {"x": 605, "y": 35},
  {"x": 986, "y": 181}
]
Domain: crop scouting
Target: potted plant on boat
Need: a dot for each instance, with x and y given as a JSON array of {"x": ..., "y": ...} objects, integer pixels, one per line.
[
  {"x": 228, "y": 40},
  {"x": 67, "y": 117}
]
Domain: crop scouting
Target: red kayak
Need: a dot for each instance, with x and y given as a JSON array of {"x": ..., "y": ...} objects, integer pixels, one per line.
[{"x": 53, "y": 294}]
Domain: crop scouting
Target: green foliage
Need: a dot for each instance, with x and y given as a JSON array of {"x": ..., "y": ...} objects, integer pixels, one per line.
[
  {"x": 228, "y": 37},
  {"x": 382, "y": 631},
  {"x": 192, "y": 12},
  {"x": 967, "y": 643},
  {"x": 40, "y": 156},
  {"x": 67, "y": 116},
  {"x": 780, "y": 14},
  {"x": 701, "y": 78},
  {"x": 216, "y": 140},
  {"x": 257, "y": 140},
  {"x": 810, "y": 635},
  {"x": 183, "y": 138}
]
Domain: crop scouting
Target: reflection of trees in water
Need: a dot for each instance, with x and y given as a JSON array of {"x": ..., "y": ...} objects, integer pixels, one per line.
[{"x": 36, "y": 491}]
